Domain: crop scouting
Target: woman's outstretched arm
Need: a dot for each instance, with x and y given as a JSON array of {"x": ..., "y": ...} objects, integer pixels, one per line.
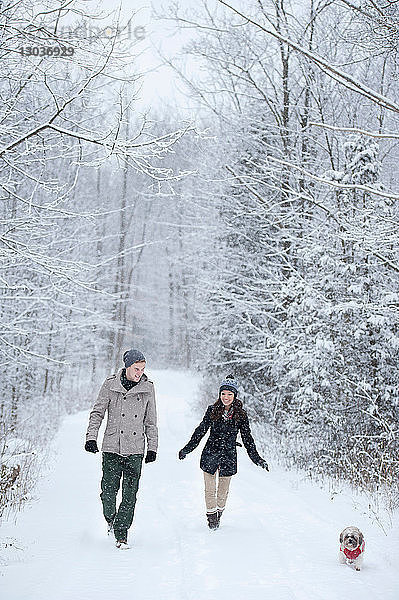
[
  {"x": 198, "y": 434},
  {"x": 249, "y": 444}
]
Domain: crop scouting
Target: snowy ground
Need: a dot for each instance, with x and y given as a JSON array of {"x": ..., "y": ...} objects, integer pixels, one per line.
[{"x": 277, "y": 541}]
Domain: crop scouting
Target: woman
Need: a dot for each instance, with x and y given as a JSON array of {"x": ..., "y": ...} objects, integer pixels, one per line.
[{"x": 225, "y": 419}]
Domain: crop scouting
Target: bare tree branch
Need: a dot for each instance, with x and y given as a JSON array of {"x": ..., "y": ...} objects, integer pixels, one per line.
[{"x": 339, "y": 75}]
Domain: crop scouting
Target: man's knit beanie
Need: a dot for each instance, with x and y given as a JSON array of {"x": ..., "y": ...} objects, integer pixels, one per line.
[
  {"x": 230, "y": 384},
  {"x": 132, "y": 356}
]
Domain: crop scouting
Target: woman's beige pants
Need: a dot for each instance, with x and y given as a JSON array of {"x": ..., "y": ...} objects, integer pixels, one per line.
[{"x": 215, "y": 496}]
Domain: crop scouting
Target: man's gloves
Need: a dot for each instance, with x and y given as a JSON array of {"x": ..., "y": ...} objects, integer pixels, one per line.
[
  {"x": 182, "y": 454},
  {"x": 151, "y": 456},
  {"x": 262, "y": 463},
  {"x": 91, "y": 446}
]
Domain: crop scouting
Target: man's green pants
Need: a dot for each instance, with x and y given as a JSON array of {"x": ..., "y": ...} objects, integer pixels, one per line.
[{"x": 114, "y": 466}]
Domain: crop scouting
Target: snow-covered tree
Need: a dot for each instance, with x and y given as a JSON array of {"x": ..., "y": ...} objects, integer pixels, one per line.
[
  {"x": 301, "y": 293},
  {"x": 66, "y": 96}
]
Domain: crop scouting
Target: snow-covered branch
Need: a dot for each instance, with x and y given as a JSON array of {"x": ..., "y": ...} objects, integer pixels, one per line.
[{"x": 339, "y": 75}]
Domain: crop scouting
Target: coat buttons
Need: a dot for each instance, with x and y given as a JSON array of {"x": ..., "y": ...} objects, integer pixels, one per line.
[
  {"x": 135, "y": 416},
  {"x": 134, "y": 433},
  {"x": 123, "y": 414},
  {"x": 121, "y": 431}
]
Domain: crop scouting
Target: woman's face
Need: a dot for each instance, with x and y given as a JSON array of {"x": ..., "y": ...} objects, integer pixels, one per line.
[{"x": 227, "y": 398}]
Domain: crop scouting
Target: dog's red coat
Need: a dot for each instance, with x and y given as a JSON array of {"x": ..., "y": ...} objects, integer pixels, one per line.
[{"x": 353, "y": 554}]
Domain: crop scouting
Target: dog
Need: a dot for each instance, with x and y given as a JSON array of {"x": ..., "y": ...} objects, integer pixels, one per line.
[{"x": 351, "y": 550}]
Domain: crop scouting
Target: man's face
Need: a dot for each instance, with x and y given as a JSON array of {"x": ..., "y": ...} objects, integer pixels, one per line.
[{"x": 135, "y": 371}]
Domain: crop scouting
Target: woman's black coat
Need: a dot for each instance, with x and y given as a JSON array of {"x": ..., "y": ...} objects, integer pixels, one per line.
[{"x": 220, "y": 449}]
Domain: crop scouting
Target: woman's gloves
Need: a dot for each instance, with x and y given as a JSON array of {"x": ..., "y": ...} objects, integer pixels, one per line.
[
  {"x": 262, "y": 463},
  {"x": 91, "y": 446}
]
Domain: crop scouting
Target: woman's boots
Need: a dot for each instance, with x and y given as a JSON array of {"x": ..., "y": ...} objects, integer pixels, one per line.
[
  {"x": 219, "y": 513},
  {"x": 213, "y": 520}
]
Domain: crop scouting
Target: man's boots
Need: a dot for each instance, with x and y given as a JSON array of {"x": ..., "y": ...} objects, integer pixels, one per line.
[
  {"x": 110, "y": 527},
  {"x": 213, "y": 520}
]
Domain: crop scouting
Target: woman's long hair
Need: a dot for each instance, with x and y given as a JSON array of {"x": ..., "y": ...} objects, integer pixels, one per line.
[{"x": 218, "y": 410}]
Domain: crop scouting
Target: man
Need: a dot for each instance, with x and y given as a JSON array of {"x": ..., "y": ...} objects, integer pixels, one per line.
[{"x": 129, "y": 399}]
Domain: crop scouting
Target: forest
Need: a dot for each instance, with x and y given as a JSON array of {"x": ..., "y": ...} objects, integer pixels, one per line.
[{"x": 257, "y": 237}]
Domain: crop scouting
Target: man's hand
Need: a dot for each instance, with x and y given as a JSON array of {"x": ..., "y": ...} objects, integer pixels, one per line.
[
  {"x": 151, "y": 456},
  {"x": 91, "y": 446}
]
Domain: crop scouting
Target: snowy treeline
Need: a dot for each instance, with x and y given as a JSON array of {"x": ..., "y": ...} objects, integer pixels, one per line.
[
  {"x": 83, "y": 176},
  {"x": 300, "y": 294}
]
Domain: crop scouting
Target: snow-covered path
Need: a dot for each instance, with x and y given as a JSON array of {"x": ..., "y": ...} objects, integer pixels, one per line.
[{"x": 277, "y": 541}]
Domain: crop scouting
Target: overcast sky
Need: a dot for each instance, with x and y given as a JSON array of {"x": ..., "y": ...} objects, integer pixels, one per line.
[{"x": 161, "y": 85}]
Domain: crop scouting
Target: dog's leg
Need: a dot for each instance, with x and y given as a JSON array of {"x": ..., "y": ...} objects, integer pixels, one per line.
[{"x": 359, "y": 562}]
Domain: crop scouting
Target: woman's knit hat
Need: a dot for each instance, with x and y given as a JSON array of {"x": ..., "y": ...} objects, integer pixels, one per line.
[{"x": 230, "y": 384}]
